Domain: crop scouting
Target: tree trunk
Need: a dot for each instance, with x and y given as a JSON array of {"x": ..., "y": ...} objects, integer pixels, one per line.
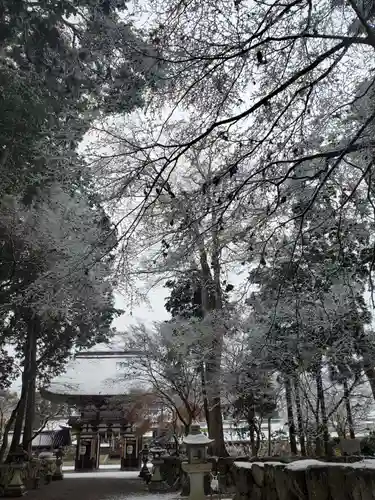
[
  {"x": 204, "y": 395},
  {"x": 251, "y": 422},
  {"x": 18, "y": 424},
  {"x": 301, "y": 431},
  {"x": 370, "y": 374},
  {"x": 289, "y": 408},
  {"x": 366, "y": 352},
  {"x": 30, "y": 400},
  {"x": 348, "y": 410},
  {"x": 269, "y": 428},
  {"x": 216, "y": 429},
  {"x": 8, "y": 426},
  {"x": 257, "y": 443},
  {"x": 213, "y": 372},
  {"x": 212, "y": 303},
  {"x": 29, "y": 416},
  {"x": 28, "y": 377},
  {"x": 322, "y": 404}
]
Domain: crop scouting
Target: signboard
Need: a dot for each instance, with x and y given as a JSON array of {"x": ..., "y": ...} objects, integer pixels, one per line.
[
  {"x": 82, "y": 450},
  {"x": 129, "y": 449}
]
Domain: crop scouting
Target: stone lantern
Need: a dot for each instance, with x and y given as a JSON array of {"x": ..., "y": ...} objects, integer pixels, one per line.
[
  {"x": 196, "y": 467},
  {"x": 156, "y": 482},
  {"x": 58, "y": 474},
  {"x": 49, "y": 463},
  {"x": 144, "y": 472},
  {"x": 14, "y": 487}
]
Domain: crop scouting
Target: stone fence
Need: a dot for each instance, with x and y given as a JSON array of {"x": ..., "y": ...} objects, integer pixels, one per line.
[
  {"x": 305, "y": 480},
  {"x": 173, "y": 475}
]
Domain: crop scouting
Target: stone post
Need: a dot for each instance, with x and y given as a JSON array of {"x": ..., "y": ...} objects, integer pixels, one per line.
[
  {"x": 156, "y": 482},
  {"x": 144, "y": 472},
  {"x": 34, "y": 471},
  {"x": 50, "y": 466},
  {"x": 58, "y": 474}
]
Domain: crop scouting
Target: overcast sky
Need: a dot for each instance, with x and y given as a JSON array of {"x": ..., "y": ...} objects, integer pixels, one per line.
[{"x": 143, "y": 313}]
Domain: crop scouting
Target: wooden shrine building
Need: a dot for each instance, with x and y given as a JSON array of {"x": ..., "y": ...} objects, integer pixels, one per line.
[{"x": 112, "y": 406}]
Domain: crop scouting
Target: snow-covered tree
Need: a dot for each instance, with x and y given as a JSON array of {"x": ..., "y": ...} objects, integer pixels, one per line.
[
  {"x": 266, "y": 87},
  {"x": 168, "y": 364}
]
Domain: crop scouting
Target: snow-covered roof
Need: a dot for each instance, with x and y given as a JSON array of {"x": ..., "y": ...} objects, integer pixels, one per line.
[
  {"x": 56, "y": 425},
  {"x": 97, "y": 375},
  {"x": 197, "y": 439}
]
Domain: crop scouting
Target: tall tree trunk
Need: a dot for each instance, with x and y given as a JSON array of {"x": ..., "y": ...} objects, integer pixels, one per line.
[
  {"x": 366, "y": 351},
  {"x": 318, "y": 438},
  {"x": 30, "y": 400},
  {"x": 348, "y": 407},
  {"x": 8, "y": 426},
  {"x": 26, "y": 373},
  {"x": 213, "y": 373},
  {"x": 216, "y": 431},
  {"x": 301, "y": 431},
  {"x": 211, "y": 305},
  {"x": 322, "y": 404},
  {"x": 370, "y": 374},
  {"x": 204, "y": 395},
  {"x": 257, "y": 443},
  {"x": 289, "y": 409},
  {"x": 269, "y": 428},
  {"x": 18, "y": 423},
  {"x": 251, "y": 422}
]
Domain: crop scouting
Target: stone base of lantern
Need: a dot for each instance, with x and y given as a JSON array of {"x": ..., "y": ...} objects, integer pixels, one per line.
[
  {"x": 58, "y": 476},
  {"x": 15, "y": 487},
  {"x": 196, "y": 474},
  {"x": 144, "y": 472},
  {"x": 58, "y": 473},
  {"x": 157, "y": 484}
]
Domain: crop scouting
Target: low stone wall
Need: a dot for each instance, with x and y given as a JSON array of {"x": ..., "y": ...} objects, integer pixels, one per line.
[
  {"x": 305, "y": 480},
  {"x": 172, "y": 473}
]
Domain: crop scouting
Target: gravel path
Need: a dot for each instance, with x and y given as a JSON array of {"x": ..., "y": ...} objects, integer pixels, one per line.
[{"x": 106, "y": 485}]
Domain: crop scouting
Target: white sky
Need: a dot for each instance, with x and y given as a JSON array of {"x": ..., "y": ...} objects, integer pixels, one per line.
[{"x": 144, "y": 313}]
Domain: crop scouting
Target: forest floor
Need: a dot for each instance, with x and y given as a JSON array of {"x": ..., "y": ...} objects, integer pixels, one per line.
[{"x": 102, "y": 485}]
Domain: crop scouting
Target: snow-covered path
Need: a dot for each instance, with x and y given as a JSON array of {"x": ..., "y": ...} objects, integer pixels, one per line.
[{"x": 108, "y": 484}]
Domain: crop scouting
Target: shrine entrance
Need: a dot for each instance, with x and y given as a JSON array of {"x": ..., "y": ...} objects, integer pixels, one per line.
[
  {"x": 105, "y": 418},
  {"x": 121, "y": 439}
]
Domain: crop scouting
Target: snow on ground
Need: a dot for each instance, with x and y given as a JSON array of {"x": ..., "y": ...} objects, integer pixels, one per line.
[
  {"x": 107, "y": 474},
  {"x": 106, "y": 485},
  {"x": 109, "y": 467}
]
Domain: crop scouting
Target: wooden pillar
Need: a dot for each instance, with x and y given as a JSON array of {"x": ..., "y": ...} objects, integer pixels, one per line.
[
  {"x": 95, "y": 450},
  {"x": 98, "y": 450},
  {"x": 130, "y": 454},
  {"x": 77, "y": 461}
]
